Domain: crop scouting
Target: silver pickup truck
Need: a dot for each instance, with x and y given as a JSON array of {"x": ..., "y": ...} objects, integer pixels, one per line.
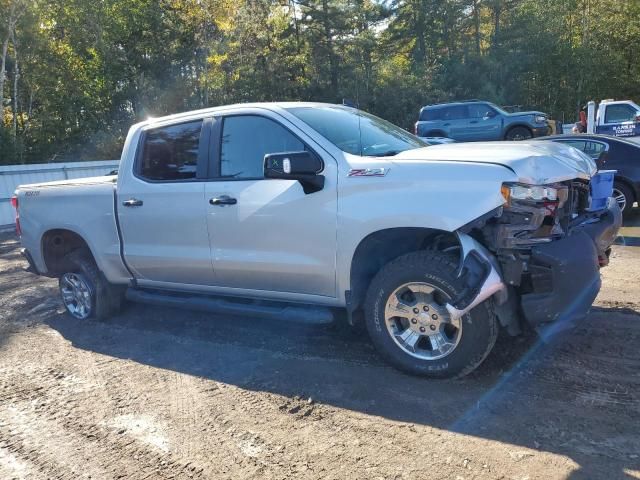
[{"x": 283, "y": 207}]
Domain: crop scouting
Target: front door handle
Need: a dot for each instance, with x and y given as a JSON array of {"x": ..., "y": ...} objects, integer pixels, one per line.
[
  {"x": 132, "y": 202},
  {"x": 223, "y": 200},
  {"x": 473, "y": 121}
]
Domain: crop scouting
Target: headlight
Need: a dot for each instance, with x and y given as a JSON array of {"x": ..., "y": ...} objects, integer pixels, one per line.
[
  {"x": 540, "y": 119},
  {"x": 531, "y": 193}
]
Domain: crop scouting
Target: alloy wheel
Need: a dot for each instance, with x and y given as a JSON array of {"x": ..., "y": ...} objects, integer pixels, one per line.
[
  {"x": 417, "y": 320},
  {"x": 76, "y": 295}
]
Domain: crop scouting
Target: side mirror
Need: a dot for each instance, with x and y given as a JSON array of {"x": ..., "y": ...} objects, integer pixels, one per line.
[
  {"x": 602, "y": 159},
  {"x": 490, "y": 114},
  {"x": 301, "y": 166}
]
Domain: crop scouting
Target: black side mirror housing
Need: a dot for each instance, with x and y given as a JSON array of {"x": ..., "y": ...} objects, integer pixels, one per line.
[
  {"x": 304, "y": 167},
  {"x": 602, "y": 159},
  {"x": 490, "y": 114}
]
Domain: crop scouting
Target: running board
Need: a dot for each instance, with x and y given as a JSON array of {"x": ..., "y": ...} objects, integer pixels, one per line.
[{"x": 314, "y": 315}]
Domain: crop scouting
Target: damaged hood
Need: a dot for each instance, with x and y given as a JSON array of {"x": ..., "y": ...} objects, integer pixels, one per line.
[{"x": 535, "y": 163}]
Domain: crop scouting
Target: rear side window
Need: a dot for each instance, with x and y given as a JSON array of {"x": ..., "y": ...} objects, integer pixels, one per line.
[
  {"x": 619, "y": 113},
  {"x": 579, "y": 144},
  {"x": 594, "y": 149},
  {"x": 246, "y": 139},
  {"x": 170, "y": 153},
  {"x": 431, "y": 114}
]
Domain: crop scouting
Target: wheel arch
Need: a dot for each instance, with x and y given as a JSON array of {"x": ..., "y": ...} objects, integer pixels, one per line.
[
  {"x": 436, "y": 133},
  {"x": 629, "y": 184},
  {"x": 56, "y": 244},
  {"x": 379, "y": 248},
  {"x": 517, "y": 125}
]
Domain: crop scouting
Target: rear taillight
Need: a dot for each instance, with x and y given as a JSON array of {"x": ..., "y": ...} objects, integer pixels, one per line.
[{"x": 14, "y": 202}]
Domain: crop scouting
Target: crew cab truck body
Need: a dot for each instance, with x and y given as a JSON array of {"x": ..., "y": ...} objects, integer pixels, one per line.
[
  {"x": 305, "y": 204},
  {"x": 476, "y": 120}
]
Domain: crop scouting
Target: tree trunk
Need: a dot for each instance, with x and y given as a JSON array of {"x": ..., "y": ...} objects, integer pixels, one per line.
[
  {"x": 421, "y": 41},
  {"x": 5, "y": 48},
  {"x": 16, "y": 77},
  {"x": 333, "y": 64},
  {"x": 476, "y": 22}
]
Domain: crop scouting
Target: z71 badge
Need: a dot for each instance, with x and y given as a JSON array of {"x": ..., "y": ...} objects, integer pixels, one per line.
[{"x": 368, "y": 172}]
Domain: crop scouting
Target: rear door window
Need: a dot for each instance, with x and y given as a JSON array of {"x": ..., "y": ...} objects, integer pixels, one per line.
[
  {"x": 170, "y": 153},
  {"x": 456, "y": 112}
]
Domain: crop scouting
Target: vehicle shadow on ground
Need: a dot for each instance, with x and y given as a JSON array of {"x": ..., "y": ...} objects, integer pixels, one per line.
[{"x": 528, "y": 392}]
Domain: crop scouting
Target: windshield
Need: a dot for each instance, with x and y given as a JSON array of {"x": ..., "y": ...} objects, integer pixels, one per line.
[{"x": 356, "y": 132}]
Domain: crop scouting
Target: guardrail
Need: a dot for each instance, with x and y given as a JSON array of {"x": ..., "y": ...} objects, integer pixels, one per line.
[{"x": 11, "y": 176}]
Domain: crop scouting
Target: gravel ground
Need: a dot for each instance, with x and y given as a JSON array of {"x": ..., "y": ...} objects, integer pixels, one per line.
[{"x": 159, "y": 393}]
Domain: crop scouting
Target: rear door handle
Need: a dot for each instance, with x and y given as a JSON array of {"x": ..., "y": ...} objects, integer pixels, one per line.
[
  {"x": 473, "y": 121},
  {"x": 132, "y": 202},
  {"x": 446, "y": 124},
  {"x": 223, "y": 200}
]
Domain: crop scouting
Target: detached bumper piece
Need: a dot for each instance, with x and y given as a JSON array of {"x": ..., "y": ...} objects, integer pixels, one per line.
[
  {"x": 564, "y": 279},
  {"x": 564, "y": 275}
]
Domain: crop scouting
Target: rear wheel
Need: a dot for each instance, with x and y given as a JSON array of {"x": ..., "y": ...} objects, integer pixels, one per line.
[
  {"x": 437, "y": 134},
  {"x": 623, "y": 197},
  {"x": 84, "y": 290},
  {"x": 408, "y": 322},
  {"x": 519, "y": 133}
]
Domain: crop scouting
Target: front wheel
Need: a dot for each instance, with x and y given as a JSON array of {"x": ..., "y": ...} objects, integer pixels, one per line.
[
  {"x": 519, "y": 133},
  {"x": 408, "y": 322}
]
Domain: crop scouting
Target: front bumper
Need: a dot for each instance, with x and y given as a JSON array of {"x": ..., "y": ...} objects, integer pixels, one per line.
[
  {"x": 540, "y": 131},
  {"x": 564, "y": 275}
]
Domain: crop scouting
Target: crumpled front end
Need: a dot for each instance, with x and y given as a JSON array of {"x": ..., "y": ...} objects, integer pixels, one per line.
[{"x": 549, "y": 244}]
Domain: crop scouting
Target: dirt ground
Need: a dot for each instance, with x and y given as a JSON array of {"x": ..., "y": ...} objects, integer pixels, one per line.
[{"x": 158, "y": 393}]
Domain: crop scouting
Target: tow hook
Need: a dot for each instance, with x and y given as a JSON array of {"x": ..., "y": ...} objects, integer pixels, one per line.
[{"x": 482, "y": 278}]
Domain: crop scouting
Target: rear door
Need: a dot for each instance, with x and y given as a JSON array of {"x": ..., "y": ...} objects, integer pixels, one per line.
[
  {"x": 161, "y": 207},
  {"x": 266, "y": 234},
  {"x": 456, "y": 120}
]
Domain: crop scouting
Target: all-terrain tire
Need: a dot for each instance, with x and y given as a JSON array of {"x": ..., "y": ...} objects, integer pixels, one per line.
[
  {"x": 479, "y": 327},
  {"x": 106, "y": 299}
]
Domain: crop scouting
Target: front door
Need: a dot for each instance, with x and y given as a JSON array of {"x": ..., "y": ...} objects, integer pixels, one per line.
[
  {"x": 484, "y": 123},
  {"x": 162, "y": 209},
  {"x": 267, "y": 234}
]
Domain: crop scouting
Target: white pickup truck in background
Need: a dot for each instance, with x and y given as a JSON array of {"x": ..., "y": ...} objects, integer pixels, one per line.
[{"x": 298, "y": 207}]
